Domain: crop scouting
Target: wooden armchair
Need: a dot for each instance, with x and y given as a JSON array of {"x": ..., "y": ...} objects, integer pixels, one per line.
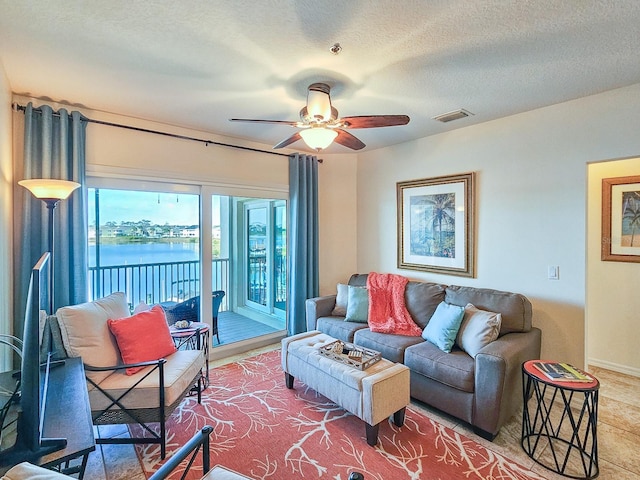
[{"x": 135, "y": 392}]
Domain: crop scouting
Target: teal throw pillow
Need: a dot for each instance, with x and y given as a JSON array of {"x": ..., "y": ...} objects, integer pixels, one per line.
[
  {"x": 357, "y": 305},
  {"x": 443, "y": 326}
]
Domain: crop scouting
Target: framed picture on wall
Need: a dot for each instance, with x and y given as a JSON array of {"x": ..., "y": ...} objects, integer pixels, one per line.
[
  {"x": 435, "y": 224},
  {"x": 621, "y": 219}
]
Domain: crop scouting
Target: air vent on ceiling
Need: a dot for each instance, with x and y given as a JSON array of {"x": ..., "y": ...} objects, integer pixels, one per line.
[{"x": 455, "y": 115}]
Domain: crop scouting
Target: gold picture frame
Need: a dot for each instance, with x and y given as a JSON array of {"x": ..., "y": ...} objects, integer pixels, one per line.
[
  {"x": 436, "y": 224},
  {"x": 621, "y": 219}
]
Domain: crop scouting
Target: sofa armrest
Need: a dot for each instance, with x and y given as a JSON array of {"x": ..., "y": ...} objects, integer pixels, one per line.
[
  {"x": 498, "y": 378},
  {"x": 318, "y": 307}
]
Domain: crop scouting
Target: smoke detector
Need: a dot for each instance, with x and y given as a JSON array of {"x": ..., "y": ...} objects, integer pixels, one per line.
[{"x": 451, "y": 116}]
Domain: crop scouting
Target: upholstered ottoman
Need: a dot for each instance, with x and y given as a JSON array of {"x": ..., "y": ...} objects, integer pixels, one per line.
[{"x": 372, "y": 394}]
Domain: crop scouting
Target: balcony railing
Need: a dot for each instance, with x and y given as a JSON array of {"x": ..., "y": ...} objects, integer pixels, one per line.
[{"x": 157, "y": 282}]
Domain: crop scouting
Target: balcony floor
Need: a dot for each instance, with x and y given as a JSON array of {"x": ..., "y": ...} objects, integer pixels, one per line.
[{"x": 233, "y": 327}]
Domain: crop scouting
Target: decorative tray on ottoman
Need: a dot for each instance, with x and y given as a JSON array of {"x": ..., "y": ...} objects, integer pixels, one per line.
[{"x": 350, "y": 354}]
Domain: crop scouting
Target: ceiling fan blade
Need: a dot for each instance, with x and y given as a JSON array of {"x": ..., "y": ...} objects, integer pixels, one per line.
[
  {"x": 373, "y": 121},
  {"x": 348, "y": 140},
  {"x": 288, "y": 141},
  {"x": 280, "y": 122}
]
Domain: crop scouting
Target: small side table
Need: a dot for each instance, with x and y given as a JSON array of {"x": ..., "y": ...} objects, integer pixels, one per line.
[
  {"x": 548, "y": 420},
  {"x": 196, "y": 337}
]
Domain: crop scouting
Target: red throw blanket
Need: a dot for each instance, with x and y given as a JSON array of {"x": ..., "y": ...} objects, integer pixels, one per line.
[{"x": 387, "y": 310}]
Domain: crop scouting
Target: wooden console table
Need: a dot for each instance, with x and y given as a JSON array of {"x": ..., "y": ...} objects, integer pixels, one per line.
[{"x": 68, "y": 416}]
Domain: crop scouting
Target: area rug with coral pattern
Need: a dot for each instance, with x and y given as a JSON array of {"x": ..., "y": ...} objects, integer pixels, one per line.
[{"x": 266, "y": 431}]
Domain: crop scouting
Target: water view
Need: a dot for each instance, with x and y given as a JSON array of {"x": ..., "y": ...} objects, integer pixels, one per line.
[{"x": 142, "y": 253}]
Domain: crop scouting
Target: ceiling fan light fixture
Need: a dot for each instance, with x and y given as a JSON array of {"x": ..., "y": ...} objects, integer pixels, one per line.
[
  {"x": 319, "y": 102},
  {"x": 318, "y": 137}
]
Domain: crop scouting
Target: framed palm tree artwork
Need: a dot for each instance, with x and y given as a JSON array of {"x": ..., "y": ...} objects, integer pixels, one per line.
[
  {"x": 621, "y": 219},
  {"x": 436, "y": 224}
]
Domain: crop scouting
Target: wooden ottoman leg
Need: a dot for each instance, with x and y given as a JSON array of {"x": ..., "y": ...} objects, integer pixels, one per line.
[
  {"x": 398, "y": 417},
  {"x": 288, "y": 380},
  {"x": 372, "y": 434}
]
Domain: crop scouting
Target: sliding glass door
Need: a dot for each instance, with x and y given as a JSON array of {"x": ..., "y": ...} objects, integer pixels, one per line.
[
  {"x": 153, "y": 244},
  {"x": 265, "y": 234}
]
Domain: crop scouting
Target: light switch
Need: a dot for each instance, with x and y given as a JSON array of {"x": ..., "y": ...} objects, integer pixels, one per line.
[{"x": 553, "y": 272}]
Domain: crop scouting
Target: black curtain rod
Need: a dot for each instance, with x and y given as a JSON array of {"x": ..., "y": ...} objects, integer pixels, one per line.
[{"x": 22, "y": 108}]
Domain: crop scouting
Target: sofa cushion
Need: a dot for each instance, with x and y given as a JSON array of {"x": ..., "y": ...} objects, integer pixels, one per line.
[
  {"x": 180, "y": 369},
  {"x": 455, "y": 369},
  {"x": 443, "y": 326},
  {"x": 478, "y": 329},
  {"x": 337, "y": 327},
  {"x": 142, "y": 337},
  {"x": 85, "y": 332},
  {"x": 342, "y": 299},
  {"x": 515, "y": 309},
  {"x": 422, "y": 299},
  {"x": 391, "y": 346},
  {"x": 357, "y": 305}
]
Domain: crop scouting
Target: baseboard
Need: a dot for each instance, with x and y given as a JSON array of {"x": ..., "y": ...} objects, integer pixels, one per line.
[{"x": 615, "y": 367}]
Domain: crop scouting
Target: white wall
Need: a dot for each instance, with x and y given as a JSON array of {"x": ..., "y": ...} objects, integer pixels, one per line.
[
  {"x": 530, "y": 202},
  {"x": 6, "y": 205},
  {"x": 613, "y": 303}
]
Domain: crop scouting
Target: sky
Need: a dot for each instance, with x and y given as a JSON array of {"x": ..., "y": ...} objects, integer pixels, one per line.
[{"x": 159, "y": 208}]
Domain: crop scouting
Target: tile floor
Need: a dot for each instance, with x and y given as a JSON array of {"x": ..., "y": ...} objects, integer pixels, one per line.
[{"x": 618, "y": 435}]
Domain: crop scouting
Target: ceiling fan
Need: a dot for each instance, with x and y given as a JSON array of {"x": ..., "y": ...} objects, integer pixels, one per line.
[{"x": 320, "y": 124}]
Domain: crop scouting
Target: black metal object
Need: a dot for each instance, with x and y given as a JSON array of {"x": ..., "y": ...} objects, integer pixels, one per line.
[
  {"x": 141, "y": 416},
  {"x": 200, "y": 441},
  {"x": 571, "y": 434}
]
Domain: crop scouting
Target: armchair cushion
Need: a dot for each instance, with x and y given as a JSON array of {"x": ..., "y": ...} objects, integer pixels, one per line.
[
  {"x": 28, "y": 471},
  {"x": 221, "y": 473},
  {"x": 85, "y": 332},
  {"x": 179, "y": 371},
  {"x": 142, "y": 337}
]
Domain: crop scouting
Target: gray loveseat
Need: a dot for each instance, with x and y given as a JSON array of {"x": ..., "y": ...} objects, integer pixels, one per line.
[{"x": 484, "y": 392}]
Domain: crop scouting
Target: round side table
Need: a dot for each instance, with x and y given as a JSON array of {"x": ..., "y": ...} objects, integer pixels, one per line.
[
  {"x": 195, "y": 337},
  {"x": 548, "y": 420}
]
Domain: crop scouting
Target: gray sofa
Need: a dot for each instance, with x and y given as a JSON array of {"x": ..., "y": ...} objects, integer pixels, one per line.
[{"x": 484, "y": 392}]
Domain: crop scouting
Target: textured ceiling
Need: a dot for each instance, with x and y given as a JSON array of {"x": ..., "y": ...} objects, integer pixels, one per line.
[{"x": 197, "y": 63}]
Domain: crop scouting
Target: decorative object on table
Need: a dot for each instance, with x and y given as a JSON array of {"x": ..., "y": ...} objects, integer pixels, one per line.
[
  {"x": 436, "y": 224},
  {"x": 182, "y": 324},
  {"x": 562, "y": 372},
  {"x": 293, "y": 433},
  {"x": 350, "y": 354},
  {"x": 621, "y": 219},
  {"x": 563, "y": 441},
  {"x": 50, "y": 191}
]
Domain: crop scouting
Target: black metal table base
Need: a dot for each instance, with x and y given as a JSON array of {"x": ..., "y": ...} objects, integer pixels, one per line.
[{"x": 560, "y": 420}]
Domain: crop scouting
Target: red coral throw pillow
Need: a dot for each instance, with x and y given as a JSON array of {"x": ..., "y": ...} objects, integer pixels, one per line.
[{"x": 142, "y": 337}]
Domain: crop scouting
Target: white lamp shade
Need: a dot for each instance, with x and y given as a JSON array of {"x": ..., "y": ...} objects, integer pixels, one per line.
[
  {"x": 49, "y": 188},
  {"x": 318, "y": 137},
  {"x": 319, "y": 105}
]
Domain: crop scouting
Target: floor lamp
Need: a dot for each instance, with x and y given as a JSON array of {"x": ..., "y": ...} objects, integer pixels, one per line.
[{"x": 50, "y": 191}]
